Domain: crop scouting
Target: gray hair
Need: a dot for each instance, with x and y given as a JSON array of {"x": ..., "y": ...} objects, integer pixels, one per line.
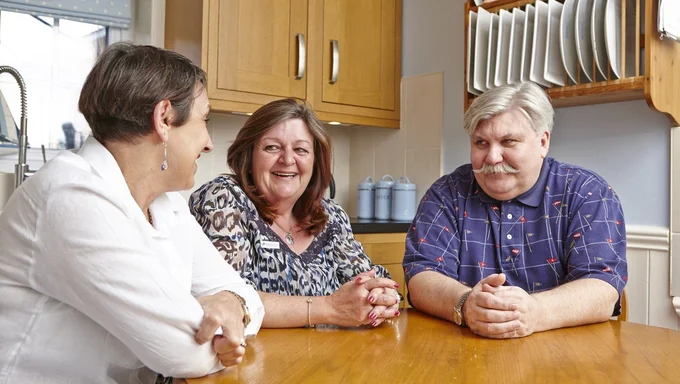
[{"x": 528, "y": 97}]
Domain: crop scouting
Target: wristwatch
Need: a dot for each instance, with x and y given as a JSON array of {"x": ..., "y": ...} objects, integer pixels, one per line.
[
  {"x": 246, "y": 313},
  {"x": 458, "y": 310}
]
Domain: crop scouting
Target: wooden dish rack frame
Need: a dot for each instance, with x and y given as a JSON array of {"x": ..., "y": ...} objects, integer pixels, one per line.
[{"x": 657, "y": 81}]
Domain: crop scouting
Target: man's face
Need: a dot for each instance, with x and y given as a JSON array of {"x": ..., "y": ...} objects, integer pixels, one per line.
[{"x": 507, "y": 154}]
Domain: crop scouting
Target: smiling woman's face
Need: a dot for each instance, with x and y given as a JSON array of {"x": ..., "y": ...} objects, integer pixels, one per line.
[{"x": 283, "y": 162}]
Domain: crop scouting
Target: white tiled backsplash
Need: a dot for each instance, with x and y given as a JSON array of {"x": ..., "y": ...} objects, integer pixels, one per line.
[{"x": 414, "y": 150}]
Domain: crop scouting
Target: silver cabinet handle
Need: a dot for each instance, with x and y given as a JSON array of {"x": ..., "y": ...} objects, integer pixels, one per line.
[
  {"x": 302, "y": 56},
  {"x": 335, "y": 66}
]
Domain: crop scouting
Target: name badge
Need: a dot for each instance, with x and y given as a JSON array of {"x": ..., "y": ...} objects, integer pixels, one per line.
[{"x": 270, "y": 244}]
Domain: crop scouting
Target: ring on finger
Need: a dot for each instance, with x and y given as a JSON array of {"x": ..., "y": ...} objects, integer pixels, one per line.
[{"x": 243, "y": 344}]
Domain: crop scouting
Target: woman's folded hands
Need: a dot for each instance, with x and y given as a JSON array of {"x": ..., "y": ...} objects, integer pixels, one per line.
[{"x": 365, "y": 300}]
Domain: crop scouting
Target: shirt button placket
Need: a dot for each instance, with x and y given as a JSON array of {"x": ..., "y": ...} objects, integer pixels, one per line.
[{"x": 511, "y": 232}]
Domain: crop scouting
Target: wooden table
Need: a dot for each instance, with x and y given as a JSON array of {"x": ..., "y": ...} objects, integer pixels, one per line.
[{"x": 417, "y": 348}]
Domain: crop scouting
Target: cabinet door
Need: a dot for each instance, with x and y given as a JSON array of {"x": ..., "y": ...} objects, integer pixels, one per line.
[
  {"x": 255, "y": 52},
  {"x": 363, "y": 35}
]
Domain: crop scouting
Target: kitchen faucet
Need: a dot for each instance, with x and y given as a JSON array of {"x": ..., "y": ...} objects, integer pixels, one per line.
[{"x": 21, "y": 171}]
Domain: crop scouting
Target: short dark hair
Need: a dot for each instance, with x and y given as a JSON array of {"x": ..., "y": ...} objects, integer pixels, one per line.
[
  {"x": 126, "y": 83},
  {"x": 308, "y": 209}
]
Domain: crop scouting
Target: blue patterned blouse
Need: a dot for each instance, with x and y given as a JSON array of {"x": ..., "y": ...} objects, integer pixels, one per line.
[
  {"x": 568, "y": 226},
  {"x": 249, "y": 244}
]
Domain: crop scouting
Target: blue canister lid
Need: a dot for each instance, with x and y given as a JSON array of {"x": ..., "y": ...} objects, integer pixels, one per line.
[
  {"x": 407, "y": 186},
  {"x": 384, "y": 183},
  {"x": 367, "y": 184}
]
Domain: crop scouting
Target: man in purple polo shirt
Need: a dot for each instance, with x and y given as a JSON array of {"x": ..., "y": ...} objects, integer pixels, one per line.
[{"x": 516, "y": 242}]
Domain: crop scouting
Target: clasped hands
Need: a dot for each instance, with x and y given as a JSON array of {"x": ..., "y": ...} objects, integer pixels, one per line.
[
  {"x": 224, "y": 310},
  {"x": 496, "y": 311},
  {"x": 364, "y": 300}
]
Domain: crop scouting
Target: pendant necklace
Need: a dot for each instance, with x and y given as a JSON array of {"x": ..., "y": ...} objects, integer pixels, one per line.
[{"x": 289, "y": 237}]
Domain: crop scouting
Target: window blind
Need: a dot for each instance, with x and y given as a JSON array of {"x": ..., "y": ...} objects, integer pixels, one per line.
[{"x": 114, "y": 13}]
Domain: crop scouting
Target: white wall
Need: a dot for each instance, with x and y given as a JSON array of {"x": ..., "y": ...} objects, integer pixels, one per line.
[
  {"x": 626, "y": 143},
  {"x": 432, "y": 41},
  {"x": 648, "y": 292},
  {"x": 149, "y": 22}
]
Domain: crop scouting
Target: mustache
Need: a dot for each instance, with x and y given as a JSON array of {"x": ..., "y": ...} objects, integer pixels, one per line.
[{"x": 496, "y": 168}]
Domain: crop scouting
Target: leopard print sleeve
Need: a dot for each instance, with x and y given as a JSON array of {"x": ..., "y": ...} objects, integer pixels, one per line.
[
  {"x": 348, "y": 252},
  {"x": 218, "y": 207}
]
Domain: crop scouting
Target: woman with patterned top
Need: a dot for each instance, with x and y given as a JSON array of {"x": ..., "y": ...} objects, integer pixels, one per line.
[{"x": 271, "y": 223}]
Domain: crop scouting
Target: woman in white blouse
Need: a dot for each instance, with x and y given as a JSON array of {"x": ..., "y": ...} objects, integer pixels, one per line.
[{"x": 104, "y": 274}]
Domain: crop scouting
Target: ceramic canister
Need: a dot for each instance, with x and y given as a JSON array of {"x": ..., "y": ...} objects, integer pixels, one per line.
[
  {"x": 403, "y": 199},
  {"x": 366, "y": 199},
  {"x": 383, "y": 198}
]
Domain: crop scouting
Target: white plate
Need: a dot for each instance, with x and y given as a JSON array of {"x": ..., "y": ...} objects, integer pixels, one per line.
[
  {"x": 503, "y": 49},
  {"x": 584, "y": 42},
  {"x": 597, "y": 35},
  {"x": 567, "y": 40},
  {"x": 516, "y": 36},
  {"x": 493, "y": 44},
  {"x": 481, "y": 49},
  {"x": 472, "y": 28},
  {"x": 536, "y": 74},
  {"x": 527, "y": 42},
  {"x": 612, "y": 35},
  {"x": 553, "y": 71}
]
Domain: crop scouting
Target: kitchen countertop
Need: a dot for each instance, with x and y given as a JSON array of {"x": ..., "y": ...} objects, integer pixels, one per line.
[{"x": 378, "y": 226}]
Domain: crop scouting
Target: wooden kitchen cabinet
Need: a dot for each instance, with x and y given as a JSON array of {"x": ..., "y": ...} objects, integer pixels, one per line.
[
  {"x": 387, "y": 249},
  {"x": 248, "y": 48},
  {"x": 253, "y": 49},
  {"x": 257, "y": 51},
  {"x": 367, "y": 39}
]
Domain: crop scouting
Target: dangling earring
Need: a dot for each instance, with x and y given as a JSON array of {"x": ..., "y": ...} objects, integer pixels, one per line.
[{"x": 164, "y": 164}]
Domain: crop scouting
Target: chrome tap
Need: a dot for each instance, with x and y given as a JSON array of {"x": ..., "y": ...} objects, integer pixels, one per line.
[{"x": 21, "y": 171}]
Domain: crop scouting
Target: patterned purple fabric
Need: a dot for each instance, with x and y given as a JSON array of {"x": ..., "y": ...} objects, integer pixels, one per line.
[{"x": 568, "y": 226}]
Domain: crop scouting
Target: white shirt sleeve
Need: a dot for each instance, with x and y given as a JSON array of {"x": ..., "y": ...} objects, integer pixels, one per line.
[
  {"x": 93, "y": 257},
  {"x": 212, "y": 274}
]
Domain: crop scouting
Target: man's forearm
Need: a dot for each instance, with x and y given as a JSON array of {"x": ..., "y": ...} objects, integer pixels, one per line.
[
  {"x": 583, "y": 301},
  {"x": 435, "y": 293}
]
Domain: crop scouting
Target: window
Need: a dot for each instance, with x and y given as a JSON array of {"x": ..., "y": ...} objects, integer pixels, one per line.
[{"x": 54, "y": 57}]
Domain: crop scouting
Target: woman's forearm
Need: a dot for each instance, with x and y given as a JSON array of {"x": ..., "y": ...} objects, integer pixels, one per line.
[{"x": 283, "y": 311}]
